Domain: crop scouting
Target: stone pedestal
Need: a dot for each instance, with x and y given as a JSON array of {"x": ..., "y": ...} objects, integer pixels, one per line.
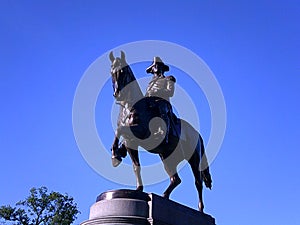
[{"x": 129, "y": 207}]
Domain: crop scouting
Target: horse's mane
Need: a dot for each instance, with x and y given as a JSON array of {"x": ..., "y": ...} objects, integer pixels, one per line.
[
  {"x": 135, "y": 89},
  {"x": 130, "y": 73}
]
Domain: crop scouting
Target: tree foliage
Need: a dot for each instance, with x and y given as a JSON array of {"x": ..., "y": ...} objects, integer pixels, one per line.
[{"x": 41, "y": 208}]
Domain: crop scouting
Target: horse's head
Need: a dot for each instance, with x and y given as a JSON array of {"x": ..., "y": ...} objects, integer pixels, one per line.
[{"x": 121, "y": 75}]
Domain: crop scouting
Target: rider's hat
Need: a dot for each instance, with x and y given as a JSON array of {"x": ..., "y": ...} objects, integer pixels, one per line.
[{"x": 157, "y": 60}]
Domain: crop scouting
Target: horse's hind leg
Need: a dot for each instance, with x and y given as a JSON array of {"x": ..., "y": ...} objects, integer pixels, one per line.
[
  {"x": 174, "y": 179},
  {"x": 174, "y": 182},
  {"x": 134, "y": 155},
  {"x": 194, "y": 163}
]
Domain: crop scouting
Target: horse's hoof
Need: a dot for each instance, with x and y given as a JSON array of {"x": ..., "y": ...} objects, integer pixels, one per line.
[
  {"x": 116, "y": 160},
  {"x": 140, "y": 188},
  {"x": 201, "y": 207},
  {"x": 167, "y": 196}
]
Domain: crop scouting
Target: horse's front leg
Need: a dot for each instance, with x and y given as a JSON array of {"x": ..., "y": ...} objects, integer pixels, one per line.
[
  {"x": 116, "y": 157},
  {"x": 118, "y": 153},
  {"x": 134, "y": 155}
]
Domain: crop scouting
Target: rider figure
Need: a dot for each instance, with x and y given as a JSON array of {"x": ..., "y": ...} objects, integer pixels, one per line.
[{"x": 161, "y": 88}]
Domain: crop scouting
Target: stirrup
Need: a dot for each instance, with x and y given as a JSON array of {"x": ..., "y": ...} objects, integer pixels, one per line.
[{"x": 159, "y": 132}]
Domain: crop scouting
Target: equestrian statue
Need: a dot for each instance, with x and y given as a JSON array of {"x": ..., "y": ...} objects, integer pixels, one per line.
[{"x": 148, "y": 121}]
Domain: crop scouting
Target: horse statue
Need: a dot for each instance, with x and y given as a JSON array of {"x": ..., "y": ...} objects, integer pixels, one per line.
[{"x": 135, "y": 126}]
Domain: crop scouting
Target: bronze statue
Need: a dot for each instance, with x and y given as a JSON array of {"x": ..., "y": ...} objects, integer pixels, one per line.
[{"x": 183, "y": 142}]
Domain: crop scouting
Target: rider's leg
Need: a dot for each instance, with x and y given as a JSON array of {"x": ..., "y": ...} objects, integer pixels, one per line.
[{"x": 166, "y": 118}]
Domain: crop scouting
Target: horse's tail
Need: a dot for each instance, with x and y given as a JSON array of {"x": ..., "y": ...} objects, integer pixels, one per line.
[{"x": 204, "y": 167}]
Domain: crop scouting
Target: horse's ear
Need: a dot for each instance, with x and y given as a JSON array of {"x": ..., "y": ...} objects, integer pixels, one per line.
[
  {"x": 123, "y": 56},
  {"x": 111, "y": 56}
]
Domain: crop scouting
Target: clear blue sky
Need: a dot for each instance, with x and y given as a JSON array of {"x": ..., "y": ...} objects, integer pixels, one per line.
[{"x": 251, "y": 46}]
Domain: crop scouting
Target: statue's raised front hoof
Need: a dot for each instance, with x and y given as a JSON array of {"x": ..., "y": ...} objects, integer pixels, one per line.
[{"x": 116, "y": 160}]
